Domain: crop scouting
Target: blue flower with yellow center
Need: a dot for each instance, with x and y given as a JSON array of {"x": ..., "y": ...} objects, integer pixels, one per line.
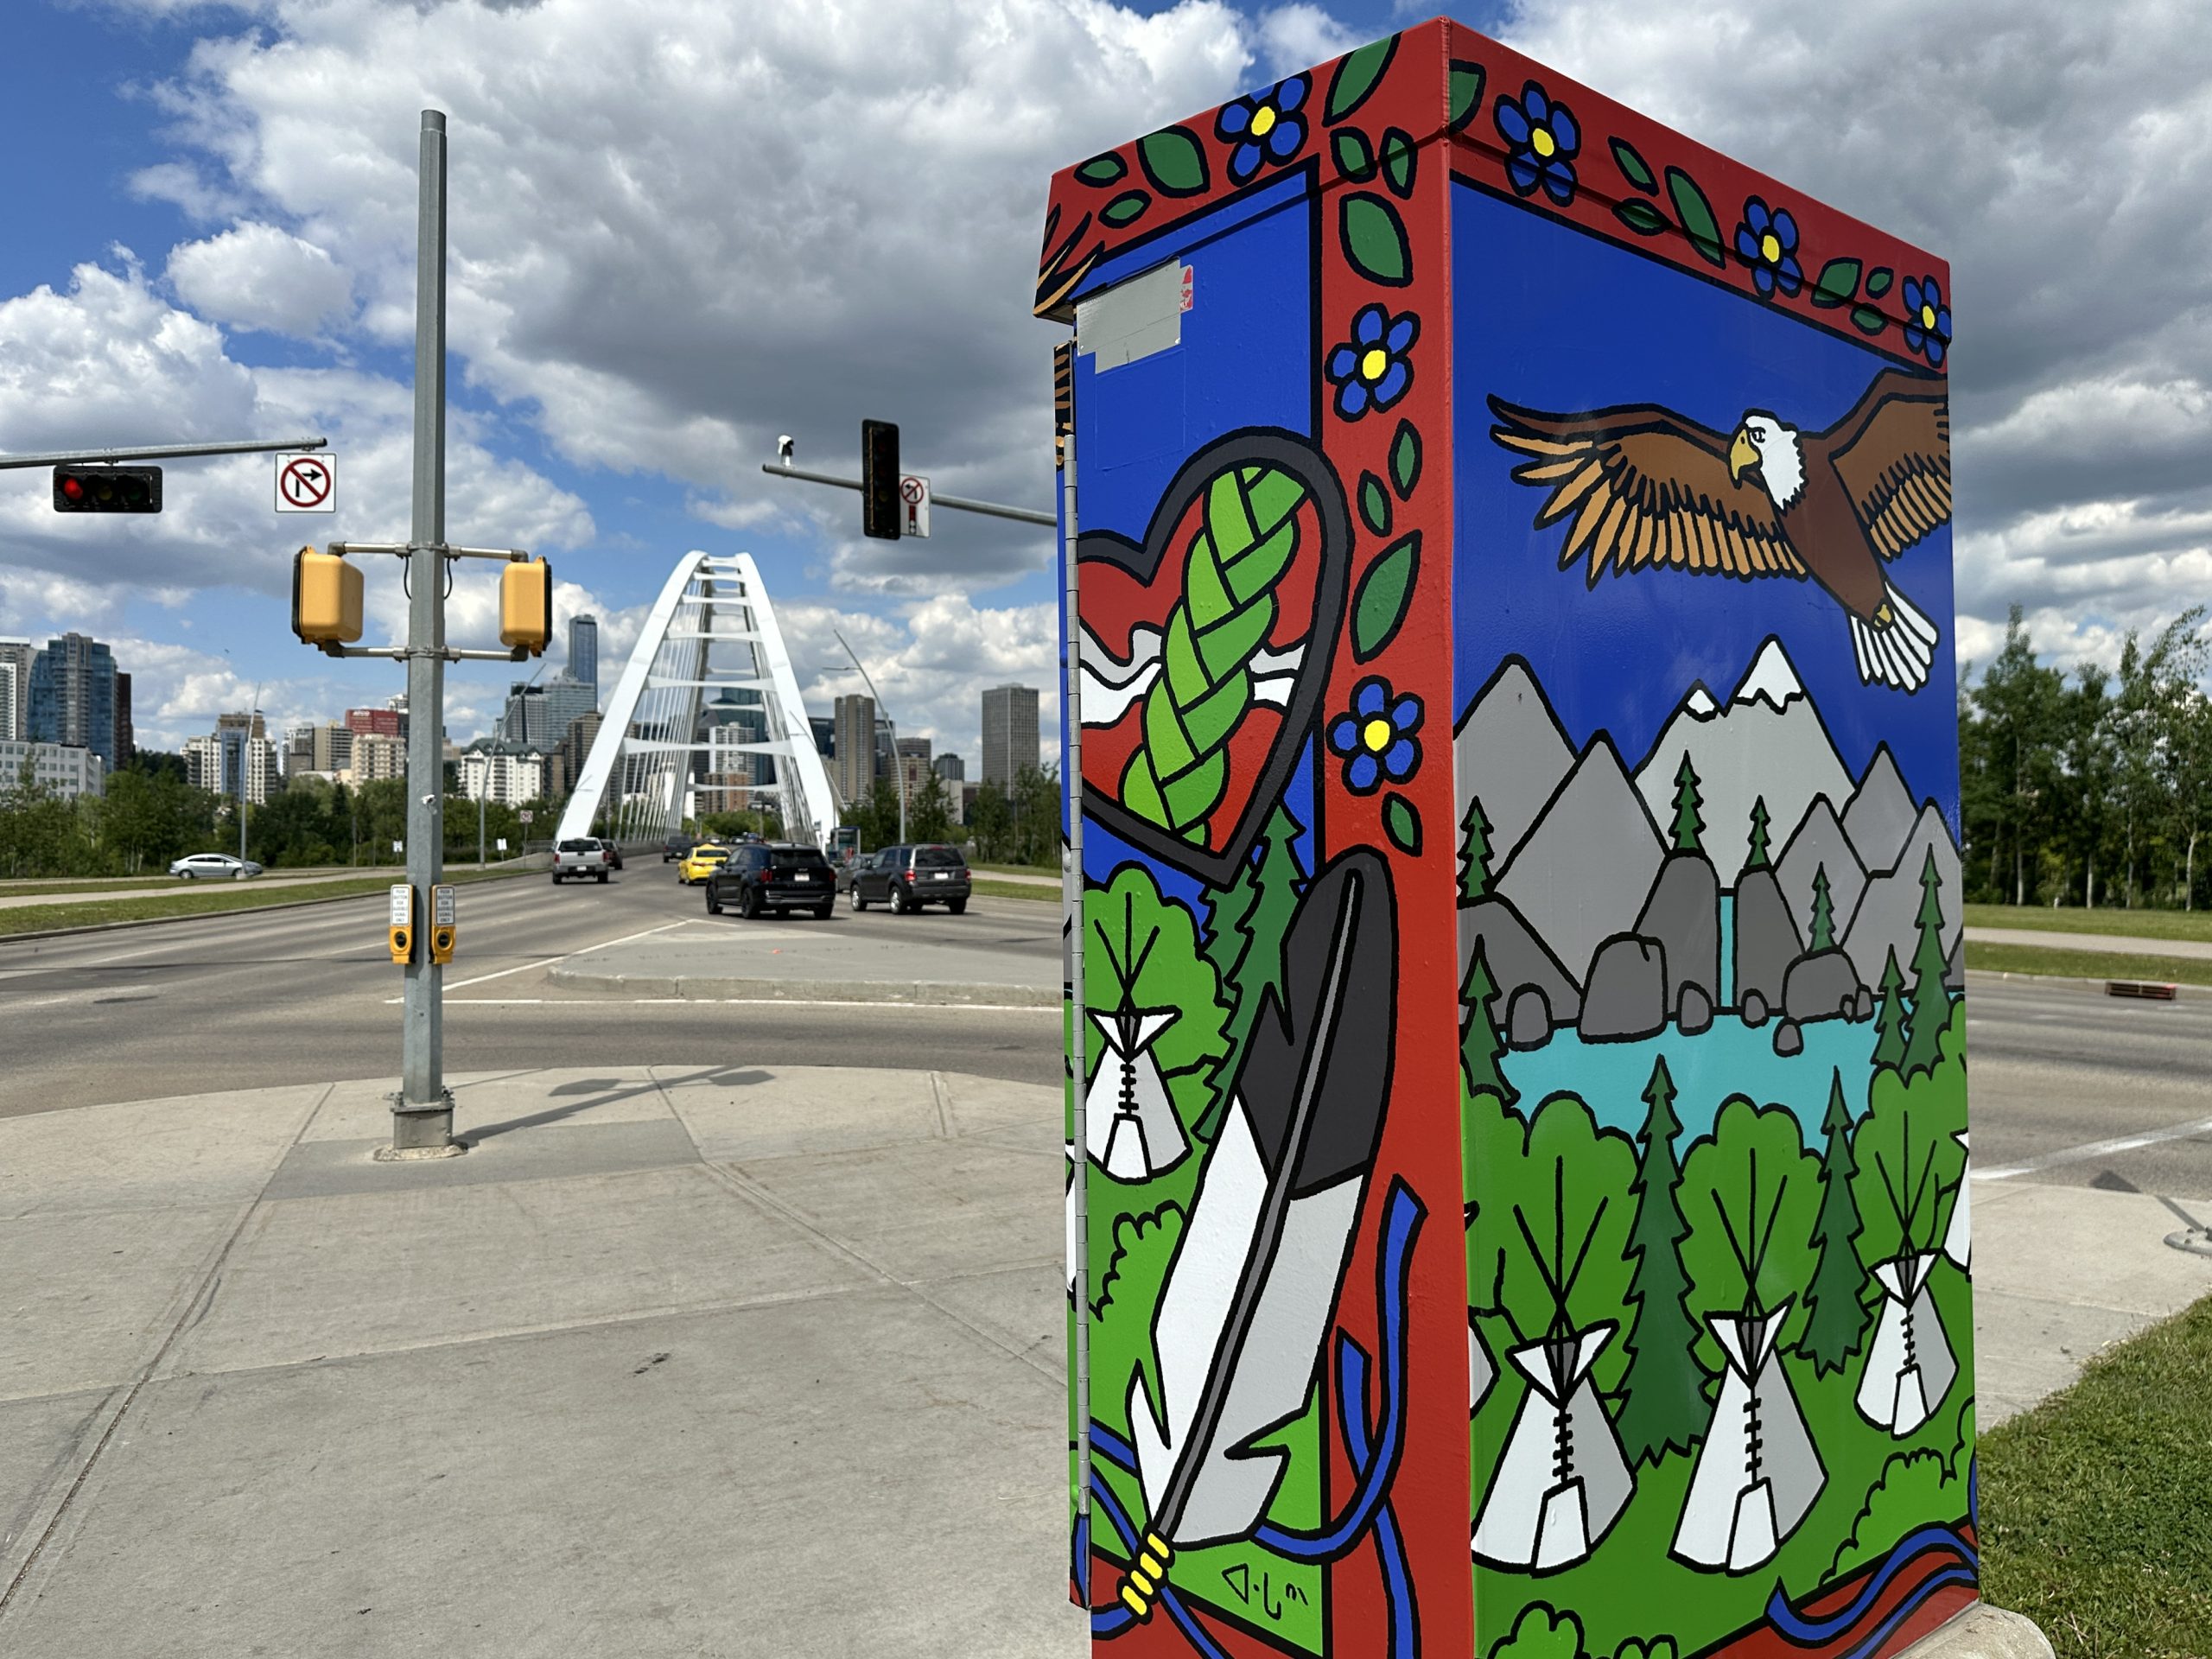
[
  {"x": 1376, "y": 737},
  {"x": 1927, "y": 319},
  {"x": 1265, "y": 128},
  {"x": 1541, "y": 141},
  {"x": 1767, "y": 242},
  {"x": 1371, "y": 370}
]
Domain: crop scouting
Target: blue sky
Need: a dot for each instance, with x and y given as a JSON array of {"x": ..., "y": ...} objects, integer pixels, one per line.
[{"x": 678, "y": 232}]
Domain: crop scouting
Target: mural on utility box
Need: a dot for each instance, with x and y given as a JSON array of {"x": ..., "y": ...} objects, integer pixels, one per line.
[{"x": 1447, "y": 848}]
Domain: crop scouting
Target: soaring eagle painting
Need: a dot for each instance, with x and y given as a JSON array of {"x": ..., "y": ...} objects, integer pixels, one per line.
[{"x": 1647, "y": 486}]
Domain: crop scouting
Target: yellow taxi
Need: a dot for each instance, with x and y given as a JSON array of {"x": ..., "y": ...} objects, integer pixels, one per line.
[{"x": 701, "y": 862}]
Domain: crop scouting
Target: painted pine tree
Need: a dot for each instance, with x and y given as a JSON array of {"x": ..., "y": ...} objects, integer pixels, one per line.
[
  {"x": 1474, "y": 853},
  {"x": 1689, "y": 828},
  {"x": 1822, "y": 933},
  {"x": 1664, "y": 1403},
  {"x": 1245, "y": 925},
  {"x": 1480, "y": 1046},
  {"x": 1759, "y": 859},
  {"x": 1835, "y": 1318},
  {"x": 1931, "y": 1000},
  {"x": 1890, "y": 1018}
]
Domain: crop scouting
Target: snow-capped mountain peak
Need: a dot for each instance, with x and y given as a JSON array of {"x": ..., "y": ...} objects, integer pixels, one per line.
[
  {"x": 1700, "y": 702},
  {"x": 1769, "y": 677}
]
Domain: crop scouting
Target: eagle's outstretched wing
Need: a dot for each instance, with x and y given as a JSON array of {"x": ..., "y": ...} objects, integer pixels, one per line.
[
  {"x": 1646, "y": 487},
  {"x": 1893, "y": 453}
]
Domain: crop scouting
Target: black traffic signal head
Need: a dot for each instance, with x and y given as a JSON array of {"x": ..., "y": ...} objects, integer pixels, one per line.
[
  {"x": 82, "y": 487},
  {"x": 879, "y": 508}
]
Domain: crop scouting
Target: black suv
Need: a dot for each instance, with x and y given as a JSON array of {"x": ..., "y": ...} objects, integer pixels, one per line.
[
  {"x": 772, "y": 875},
  {"x": 676, "y": 846},
  {"x": 907, "y": 878}
]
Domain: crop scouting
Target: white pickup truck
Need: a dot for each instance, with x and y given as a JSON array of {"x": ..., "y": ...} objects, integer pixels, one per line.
[{"x": 580, "y": 858}]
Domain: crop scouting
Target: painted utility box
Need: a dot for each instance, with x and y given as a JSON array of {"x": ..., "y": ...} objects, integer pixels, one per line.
[{"x": 1524, "y": 1140}]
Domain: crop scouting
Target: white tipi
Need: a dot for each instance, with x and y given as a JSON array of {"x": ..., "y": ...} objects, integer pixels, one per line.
[
  {"x": 1910, "y": 1364},
  {"x": 1563, "y": 1480},
  {"x": 1757, "y": 1473},
  {"x": 1130, "y": 1128},
  {"x": 1958, "y": 1238}
]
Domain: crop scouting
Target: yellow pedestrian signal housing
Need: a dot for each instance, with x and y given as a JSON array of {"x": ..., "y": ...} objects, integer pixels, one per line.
[
  {"x": 526, "y": 607},
  {"x": 325, "y": 600},
  {"x": 402, "y": 923},
  {"x": 441, "y": 923}
]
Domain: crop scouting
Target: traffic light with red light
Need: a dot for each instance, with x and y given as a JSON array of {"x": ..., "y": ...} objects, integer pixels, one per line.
[
  {"x": 879, "y": 509},
  {"x": 83, "y": 487}
]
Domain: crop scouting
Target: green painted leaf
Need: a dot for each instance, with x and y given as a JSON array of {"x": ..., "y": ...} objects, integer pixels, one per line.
[
  {"x": 1374, "y": 239},
  {"x": 1356, "y": 77},
  {"x": 1173, "y": 160},
  {"x": 1398, "y": 160},
  {"x": 1634, "y": 168},
  {"x": 1384, "y": 591},
  {"x": 1838, "y": 283},
  {"x": 1878, "y": 283},
  {"x": 1466, "y": 92},
  {"x": 1354, "y": 159},
  {"x": 1870, "y": 320},
  {"x": 1405, "y": 461},
  {"x": 1127, "y": 207},
  {"x": 1697, "y": 217},
  {"x": 1641, "y": 216},
  {"x": 1402, "y": 823},
  {"x": 1374, "y": 503},
  {"x": 1101, "y": 170}
]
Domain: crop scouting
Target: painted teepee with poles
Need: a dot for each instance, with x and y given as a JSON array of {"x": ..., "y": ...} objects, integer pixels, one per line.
[
  {"x": 1910, "y": 1364},
  {"x": 1130, "y": 1128},
  {"x": 1563, "y": 1479},
  {"x": 1758, "y": 1473}
]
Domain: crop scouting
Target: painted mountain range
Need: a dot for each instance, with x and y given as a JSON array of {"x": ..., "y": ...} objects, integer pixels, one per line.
[{"x": 1608, "y": 898}]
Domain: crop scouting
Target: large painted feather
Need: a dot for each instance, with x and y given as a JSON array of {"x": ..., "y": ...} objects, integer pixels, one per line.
[{"x": 1252, "y": 1289}]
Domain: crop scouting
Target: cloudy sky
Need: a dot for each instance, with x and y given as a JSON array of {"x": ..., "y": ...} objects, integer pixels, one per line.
[{"x": 680, "y": 229}]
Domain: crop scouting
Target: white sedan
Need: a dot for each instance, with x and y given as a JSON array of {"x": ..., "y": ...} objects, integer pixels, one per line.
[{"x": 200, "y": 866}]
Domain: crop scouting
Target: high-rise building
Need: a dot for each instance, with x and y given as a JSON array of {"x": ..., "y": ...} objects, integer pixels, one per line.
[
  {"x": 825, "y": 735},
  {"x": 583, "y": 652},
  {"x": 126, "y": 739},
  {"x": 72, "y": 696},
  {"x": 953, "y": 768},
  {"x": 508, "y": 778},
  {"x": 913, "y": 764},
  {"x": 566, "y": 763},
  {"x": 235, "y": 759},
  {"x": 1009, "y": 733},
  {"x": 14, "y": 687},
  {"x": 854, "y": 752},
  {"x": 376, "y": 757},
  {"x": 539, "y": 715}
]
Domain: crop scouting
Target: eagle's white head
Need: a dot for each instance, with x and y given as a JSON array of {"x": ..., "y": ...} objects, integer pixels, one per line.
[{"x": 1765, "y": 443}]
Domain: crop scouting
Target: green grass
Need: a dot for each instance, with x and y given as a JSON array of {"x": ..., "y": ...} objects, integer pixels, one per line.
[
  {"x": 206, "y": 901},
  {"x": 1017, "y": 869},
  {"x": 1017, "y": 890},
  {"x": 2132, "y": 924},
  {"x": 2093, "y": 1519},
  {"x": 2088, "y": 964}
]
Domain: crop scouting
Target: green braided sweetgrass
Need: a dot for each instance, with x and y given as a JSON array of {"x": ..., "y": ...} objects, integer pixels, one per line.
[{"x": 1180, "y": 771}]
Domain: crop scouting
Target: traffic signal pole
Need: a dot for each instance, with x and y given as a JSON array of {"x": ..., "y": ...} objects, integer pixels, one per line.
[{"x": 422, "y": 1113}]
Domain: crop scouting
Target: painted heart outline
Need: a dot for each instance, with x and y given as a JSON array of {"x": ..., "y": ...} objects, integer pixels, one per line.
[{"x": 1272, "y": 528}]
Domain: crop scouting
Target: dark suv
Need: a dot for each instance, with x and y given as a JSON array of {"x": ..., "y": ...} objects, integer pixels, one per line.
[
  {"x": 907, "y": 878},
  {"x": 772, "y": 875},
  {"x": 676, "y": 846}
]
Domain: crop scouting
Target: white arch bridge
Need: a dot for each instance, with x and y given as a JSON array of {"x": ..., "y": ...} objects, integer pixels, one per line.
[{"x": 710, "y": 677}]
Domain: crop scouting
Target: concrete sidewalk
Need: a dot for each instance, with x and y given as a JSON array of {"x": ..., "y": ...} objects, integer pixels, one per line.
[
  {"x": 728, "y": 1362},
  {"x": 2125, "y": 945},
  {"x": 677, "y": 1361}
]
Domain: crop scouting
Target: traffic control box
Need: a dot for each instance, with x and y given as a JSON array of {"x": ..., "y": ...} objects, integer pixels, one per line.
[
  {"x": 326, "y": 598},
  {"x": 1519, "y": 1201},
  {"x": 400, "y": 928},
  {"x": 526, "y": 606},
  {"x": 442, "y": 928}
]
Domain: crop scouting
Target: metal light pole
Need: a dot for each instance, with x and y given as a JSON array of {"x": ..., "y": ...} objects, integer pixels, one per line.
[
  {"x": 898, "y": 764},
  {"x": 421, "y": 1114}
]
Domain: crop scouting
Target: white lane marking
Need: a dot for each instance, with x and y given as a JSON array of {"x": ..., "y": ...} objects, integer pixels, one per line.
[
  {"x": 2095, "y": 1149},
  {"x": 746, "y": 1002},
  {"x": 463, "y": 984}
]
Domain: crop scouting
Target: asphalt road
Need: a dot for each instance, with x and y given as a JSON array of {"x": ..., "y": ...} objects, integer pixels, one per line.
[
  {"x": 2060, "y": 1073},
  {"x": 248, "y": 1001}
]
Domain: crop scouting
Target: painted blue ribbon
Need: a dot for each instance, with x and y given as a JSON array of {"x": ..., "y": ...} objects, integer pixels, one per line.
[{"x": 1825, "y": 1628}]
